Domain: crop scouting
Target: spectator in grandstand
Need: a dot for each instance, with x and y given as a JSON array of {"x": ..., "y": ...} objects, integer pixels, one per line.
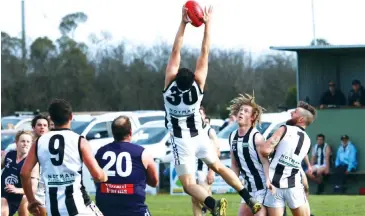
[
  {"x": 333, "y": 96},
  {"x": 320, "y": 162},
  {"x": 357, "y": 94},
  {"x": 345, "y": 162}
]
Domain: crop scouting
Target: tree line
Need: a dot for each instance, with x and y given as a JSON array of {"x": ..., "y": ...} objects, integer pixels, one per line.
[{"x": 108, "y": 77}]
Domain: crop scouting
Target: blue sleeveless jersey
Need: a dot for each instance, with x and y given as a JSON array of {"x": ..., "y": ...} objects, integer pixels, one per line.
[
  {"x": 124, "y": 192},
  {"x": 11, "y": 175}
]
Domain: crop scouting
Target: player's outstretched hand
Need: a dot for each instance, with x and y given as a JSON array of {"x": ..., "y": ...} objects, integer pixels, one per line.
[
  {"x": 34, "y": 207},
  {"x": 184, "y": 17},
  {"x": 208, "y": 14}
]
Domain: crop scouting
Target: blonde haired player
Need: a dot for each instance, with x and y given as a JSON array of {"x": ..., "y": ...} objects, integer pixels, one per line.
[
  {"x": 12, "y": 162},
  {"x": 291, "y": 144},
  {"x": 244, "y": 141}
]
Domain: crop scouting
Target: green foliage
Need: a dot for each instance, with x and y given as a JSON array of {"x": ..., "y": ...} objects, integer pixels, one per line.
[
  {"x": 70, "y": 22},
  {"x": 110, "y": 78},
  {"x": 320, "y": 42},
  {"x": 291, "y": 97}
]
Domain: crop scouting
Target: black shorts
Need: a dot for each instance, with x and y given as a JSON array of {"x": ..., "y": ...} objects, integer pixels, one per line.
[{"x": 14, "y": 201}]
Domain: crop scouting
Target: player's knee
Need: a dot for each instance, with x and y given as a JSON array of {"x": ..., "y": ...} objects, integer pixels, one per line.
[
  {"x": 4, "y": 209},
  {"x": 216, "y": 166},
  {"x": 194, "y": 201},
  {"x": 187, "y": 185},
  {"x": 186, "y": 189}
]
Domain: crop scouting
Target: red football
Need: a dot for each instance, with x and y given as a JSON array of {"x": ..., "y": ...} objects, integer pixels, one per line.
[{"x": 195, "y": 13}]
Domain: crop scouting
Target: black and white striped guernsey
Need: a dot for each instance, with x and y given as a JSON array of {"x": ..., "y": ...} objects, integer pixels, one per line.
[
  {"x": 183, "y": 118},
  {"x": 319, "y": 151},
  {"x": 289, "y": 154},
  {"x": 247, "y": 158},
  {"x": 59, "y": 156}
]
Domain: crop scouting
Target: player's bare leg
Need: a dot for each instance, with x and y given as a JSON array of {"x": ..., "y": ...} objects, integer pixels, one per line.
[
  {"x": 232, "y": 179},
  {"x": 197, "y": 206},
  {"x": 190, "y": 186},
  {"x": 4, "y": 207},
  {"x": 246, "y": 211},
  {"x": 275, "y": 211},
  {"x": 301, "y": 211},
  {"x": 197, "y": 211},
  {"x": 23, "y": 207}
]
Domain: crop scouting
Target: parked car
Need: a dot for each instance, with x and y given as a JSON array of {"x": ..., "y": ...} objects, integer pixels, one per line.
[
  {"x": 8, "y": 140},
  {"x": 216, "y": 124},
  {"x": 98, "y": 130},
  {"x": 18, "y": 121},
  {"x": 155, "y": 138}
]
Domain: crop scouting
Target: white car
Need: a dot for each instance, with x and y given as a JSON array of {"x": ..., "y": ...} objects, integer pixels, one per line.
[
  {"x": 19, "y": 121},
  {"x": 216, "y": 124},
  {"x": 97, "y": 130},
  {"x": 155, "y": 138}
]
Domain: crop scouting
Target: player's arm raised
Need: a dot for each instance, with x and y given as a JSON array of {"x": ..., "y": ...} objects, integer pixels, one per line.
[
  {"x": 201, "y": 70},
  {"x": 174, "y": 61},
  {"x": 149, "y": 164},
  {"x": 87, "y": 156},
  {"x": 271, "y": 143}
]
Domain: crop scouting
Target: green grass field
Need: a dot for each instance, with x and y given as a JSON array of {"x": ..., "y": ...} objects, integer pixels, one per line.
[{"x": 166, "y": 205}]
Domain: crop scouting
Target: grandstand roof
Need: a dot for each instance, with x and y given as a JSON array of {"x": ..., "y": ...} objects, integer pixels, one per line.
[{"x": 320, "y": 48}]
